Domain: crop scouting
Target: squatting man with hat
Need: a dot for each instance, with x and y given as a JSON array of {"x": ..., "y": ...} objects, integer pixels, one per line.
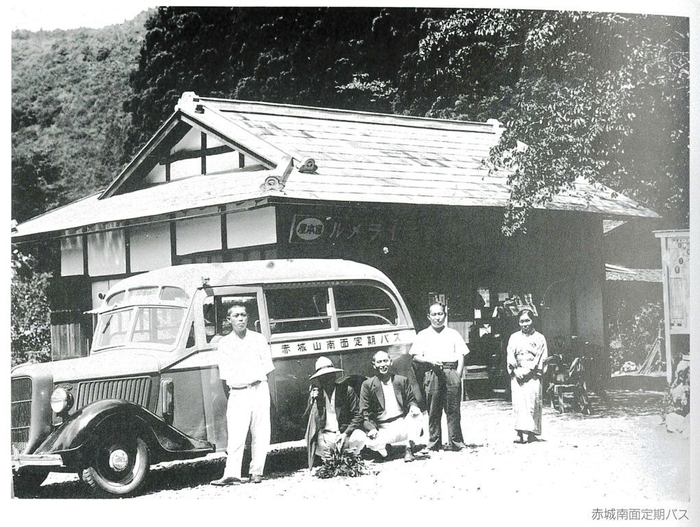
[
  {"x": 245, "y": 362},
  {"x": 442, "y": 349},
  {"x": 333, "y": 413},
  {"x": 391, "y": 414}
]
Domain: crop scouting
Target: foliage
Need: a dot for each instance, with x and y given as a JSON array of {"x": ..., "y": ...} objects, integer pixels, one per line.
[
  {"x": 68, "y": 121},
  {"x": 341, "y": 463},
  {"x": 597, "y": 96},
  {"x": 33, "y": 178},
  {"x": 315, "y": 56},
  {"x": 633, "y": 330},
  {"x": 30, "y": 328},
  {"x": 677, "y": 396}
]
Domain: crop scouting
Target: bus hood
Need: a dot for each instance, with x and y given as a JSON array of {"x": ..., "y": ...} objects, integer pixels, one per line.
[{"x": 107, "y": 364}]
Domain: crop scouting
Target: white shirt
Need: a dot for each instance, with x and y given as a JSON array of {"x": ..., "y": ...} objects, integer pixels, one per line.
[
  {"x": 243, "y": 361},
  {"x": 391, "y": 405},
  {"x": 445, "y": 346},
  {"x": 331, "y": 418}
]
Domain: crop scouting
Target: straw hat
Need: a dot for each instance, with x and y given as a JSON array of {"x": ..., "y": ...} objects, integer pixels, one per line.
[{"x": 324, "y": 366}]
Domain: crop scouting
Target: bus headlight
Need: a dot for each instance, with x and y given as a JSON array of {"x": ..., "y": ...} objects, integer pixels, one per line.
[{"x": 61, "y": 400}]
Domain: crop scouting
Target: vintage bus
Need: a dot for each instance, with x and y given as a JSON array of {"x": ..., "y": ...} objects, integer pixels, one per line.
[{"x": 150, "y": 391}]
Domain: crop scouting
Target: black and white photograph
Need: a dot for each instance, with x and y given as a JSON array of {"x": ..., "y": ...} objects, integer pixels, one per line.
[{"x": 403, "y": 262}]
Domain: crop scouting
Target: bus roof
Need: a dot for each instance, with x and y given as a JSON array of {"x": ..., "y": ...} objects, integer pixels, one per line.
[{"x": 190, "y": 277}]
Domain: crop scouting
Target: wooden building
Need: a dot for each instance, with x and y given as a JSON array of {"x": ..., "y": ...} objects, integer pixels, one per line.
[{"x": 226, "y": 180}]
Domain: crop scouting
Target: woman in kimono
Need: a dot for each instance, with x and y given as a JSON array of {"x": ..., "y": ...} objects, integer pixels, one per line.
[{"x": 526, "y": 353}]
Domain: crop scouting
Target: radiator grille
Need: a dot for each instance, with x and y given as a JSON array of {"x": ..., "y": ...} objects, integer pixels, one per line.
[
  {"x": 21, "y": 412},
  {"x": 135, "y": 390}
]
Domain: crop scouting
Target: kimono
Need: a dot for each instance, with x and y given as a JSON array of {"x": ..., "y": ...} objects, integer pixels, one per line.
[{"x": 526, "y": 355}]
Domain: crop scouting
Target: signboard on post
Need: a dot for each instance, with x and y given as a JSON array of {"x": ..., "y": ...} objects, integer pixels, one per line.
[{"x": 675, "y": 254}]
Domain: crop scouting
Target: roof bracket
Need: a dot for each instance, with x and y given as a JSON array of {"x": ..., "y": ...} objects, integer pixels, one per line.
[{"x": 277, "y": 178}]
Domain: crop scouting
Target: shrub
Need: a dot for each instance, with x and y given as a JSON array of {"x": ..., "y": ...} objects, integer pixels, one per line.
[
  {"x": 30, "y": 324},
  {"x": 341, "y": 463},
  {"x": 633, "y": 332},
  {"x": 677, "y": 398}
]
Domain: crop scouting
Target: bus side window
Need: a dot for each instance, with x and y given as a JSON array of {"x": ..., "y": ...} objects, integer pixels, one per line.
[
  {"x": 293, "y": 310},
  {"x": 209, "y": 318},
  {"x": 190, "y": 337},
  {"x": 218, "y": 314},
  {"x": 364, "y": 305}
]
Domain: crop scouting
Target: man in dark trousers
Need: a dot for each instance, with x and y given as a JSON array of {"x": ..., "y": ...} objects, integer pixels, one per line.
[
  {"x": 442, "y": 349},
  {"x": 389, "y": 409},
  {"x": 333, "y": 412}
]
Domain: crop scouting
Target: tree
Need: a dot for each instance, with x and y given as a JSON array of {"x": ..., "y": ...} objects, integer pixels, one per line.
[
  {"x": 293, "y": 55},
  {"x": 30, "y": 329},
  {"x": 598, "y": 96},
  {"x": 68, "y": 124},
  {"x": 33, "y": 177}
]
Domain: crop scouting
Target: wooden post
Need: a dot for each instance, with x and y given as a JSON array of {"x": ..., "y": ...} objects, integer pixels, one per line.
[{"x": 667, "y": 325}]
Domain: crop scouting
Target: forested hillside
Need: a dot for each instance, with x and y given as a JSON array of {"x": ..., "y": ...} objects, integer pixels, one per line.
[
  {"x": 602, "y": 96},
  {"x": 68, "y": 119}
]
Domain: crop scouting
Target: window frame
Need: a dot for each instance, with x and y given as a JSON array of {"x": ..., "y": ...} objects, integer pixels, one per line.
[{"x": 335, "y": 327}]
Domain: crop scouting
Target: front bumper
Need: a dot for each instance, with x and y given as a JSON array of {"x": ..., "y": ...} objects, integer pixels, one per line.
[{"x": 20, "y": 461}]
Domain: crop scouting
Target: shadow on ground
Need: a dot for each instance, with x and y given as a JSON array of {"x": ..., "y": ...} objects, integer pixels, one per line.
[
  {"x": 202, "y": 472},
  {"x": 621, "y": 404},
  {"x": 190, "y": 474}
]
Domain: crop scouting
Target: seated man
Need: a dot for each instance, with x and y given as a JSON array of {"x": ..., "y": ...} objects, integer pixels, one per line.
[
  {"x": 333, "y": 412},
  {"x": 389, "y": 409}
]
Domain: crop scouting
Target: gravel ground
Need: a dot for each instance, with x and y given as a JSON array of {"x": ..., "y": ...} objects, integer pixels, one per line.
[{"x": 621, "y": 457}]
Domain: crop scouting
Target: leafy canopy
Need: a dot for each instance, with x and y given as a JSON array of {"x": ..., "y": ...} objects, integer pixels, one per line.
[{"x": 598, "y": 96}]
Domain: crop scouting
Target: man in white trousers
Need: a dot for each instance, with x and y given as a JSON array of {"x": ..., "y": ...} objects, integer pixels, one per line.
[
  {"x": 389, "y": 409},
  {"x": 245, "y": 361}
]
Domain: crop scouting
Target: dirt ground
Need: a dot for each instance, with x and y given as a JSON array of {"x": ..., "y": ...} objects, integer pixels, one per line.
[{"x": 620, "y": 458}]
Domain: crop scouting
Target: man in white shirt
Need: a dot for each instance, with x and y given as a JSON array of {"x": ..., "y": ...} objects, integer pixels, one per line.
[
  {"x": 245, "y": 361},
  {"x": 443, "y": 350},
  {"x": 389, "y": 409}
]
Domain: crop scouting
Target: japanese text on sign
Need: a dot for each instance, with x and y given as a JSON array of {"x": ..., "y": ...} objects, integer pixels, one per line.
[
  {"x": 322, "y": 345},
  {"x": 306, "y": 229}
]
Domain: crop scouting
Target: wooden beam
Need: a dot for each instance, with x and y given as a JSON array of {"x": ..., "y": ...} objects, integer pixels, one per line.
[
  {"x": 203, "y": 152},
  {"x": 194, "y": 154},
  {"x": 170, "y": 134}
]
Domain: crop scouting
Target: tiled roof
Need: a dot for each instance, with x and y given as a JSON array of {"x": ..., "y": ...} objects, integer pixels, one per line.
[
  {"x": 616, "y": 273},
  {"x": 359, "y": 157}
]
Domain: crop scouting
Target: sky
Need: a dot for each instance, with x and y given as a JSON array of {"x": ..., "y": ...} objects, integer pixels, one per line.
[{"x": 34, "y": 15}]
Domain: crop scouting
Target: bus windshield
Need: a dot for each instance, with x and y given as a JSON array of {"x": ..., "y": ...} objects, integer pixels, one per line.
[{"x": 139, "y": 326}]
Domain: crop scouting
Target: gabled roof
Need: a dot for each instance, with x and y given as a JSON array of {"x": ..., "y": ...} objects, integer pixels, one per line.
[
  {"x": 611, "y": 225},
  {"x": 318, "y": 154}
]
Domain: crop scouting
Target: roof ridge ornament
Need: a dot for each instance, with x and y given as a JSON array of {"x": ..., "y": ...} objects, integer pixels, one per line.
[
  {"x": 308, "y": 166},
  {"x": 189, "y": 100},
  {"x": 272, "y": 183}
]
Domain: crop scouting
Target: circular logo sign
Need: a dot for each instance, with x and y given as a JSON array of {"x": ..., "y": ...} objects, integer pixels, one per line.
[{"x": 309, "y": 229}]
